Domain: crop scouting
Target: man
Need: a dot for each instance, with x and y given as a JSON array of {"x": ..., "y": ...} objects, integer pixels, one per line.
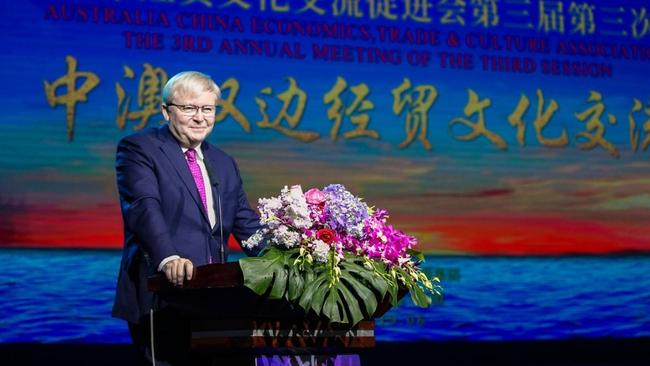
[{"x": 181, "y": 198}]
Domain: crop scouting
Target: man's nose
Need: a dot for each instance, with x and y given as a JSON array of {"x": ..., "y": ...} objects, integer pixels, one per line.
[{"x": 199, "y": 116}]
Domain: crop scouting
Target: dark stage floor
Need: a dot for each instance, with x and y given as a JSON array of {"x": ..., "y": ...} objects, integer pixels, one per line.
[{"x": 606, "y": 352}]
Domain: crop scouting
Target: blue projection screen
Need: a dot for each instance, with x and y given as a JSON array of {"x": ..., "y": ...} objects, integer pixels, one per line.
[{"x": 509, "y": 136}]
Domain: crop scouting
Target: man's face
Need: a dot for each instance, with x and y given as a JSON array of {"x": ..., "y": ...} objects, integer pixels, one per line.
[{"x": 190, "y": 128}]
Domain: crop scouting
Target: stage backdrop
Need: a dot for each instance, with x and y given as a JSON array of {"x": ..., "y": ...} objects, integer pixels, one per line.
[{"x": 485, "y": 127}]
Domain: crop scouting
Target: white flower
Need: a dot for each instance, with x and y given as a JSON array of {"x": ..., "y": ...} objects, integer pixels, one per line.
[
  {"x": 272, "y": 204},
  {"x": 402, "y": 260},
  {"x": 296, "y": 192},
  {"x": 356, "y": 230},
  {"x": 255, "y": 239},
  {"x": 282, "y": 236},
  {"x": 296, "y": 208},
  {"x": 321, "y": 250},
  {"x": 270, "y": 211}
]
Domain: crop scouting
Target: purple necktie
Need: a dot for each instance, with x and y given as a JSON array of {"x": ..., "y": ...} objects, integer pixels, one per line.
[{"x": 196, "y": 174}]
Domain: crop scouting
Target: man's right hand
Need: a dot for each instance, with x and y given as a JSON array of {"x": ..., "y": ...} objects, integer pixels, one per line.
[{"x": 177, "y": 270}]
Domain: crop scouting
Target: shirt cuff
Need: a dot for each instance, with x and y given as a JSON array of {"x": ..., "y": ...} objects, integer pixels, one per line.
[{"x": 168, "y": 259}]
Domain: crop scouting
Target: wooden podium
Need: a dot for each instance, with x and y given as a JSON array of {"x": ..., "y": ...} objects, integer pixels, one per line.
[{"x": 225, "y": 314}]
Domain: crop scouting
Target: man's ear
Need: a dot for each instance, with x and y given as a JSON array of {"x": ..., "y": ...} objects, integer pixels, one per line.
[{"x": 165, "y": 113}]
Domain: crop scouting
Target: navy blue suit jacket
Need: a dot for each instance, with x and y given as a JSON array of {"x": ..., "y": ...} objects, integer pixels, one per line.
[{"x": 163, "y": 213}]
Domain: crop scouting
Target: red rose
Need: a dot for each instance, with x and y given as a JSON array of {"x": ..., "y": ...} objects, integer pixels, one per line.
[{"x": 326, "y": 235}]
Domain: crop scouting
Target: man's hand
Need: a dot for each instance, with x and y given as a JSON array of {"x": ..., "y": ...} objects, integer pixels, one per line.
[{"x": 177, "y": 270}]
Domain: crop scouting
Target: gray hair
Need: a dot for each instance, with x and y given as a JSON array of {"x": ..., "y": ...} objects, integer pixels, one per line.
[{"x": 189, "y": 82}]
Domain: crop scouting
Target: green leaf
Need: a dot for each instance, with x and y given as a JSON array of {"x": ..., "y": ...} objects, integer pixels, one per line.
[
  {"x": 393, "y": 289},
  {"x": 333, "y": 305},
  {"x": 369, "y": 277},
  {"x": 354, "y": 296},
  {"x": 368, "y": 298},
  {"x": 352, "y": 304},
  {"x": 392, "y": 286},
  {"x": 419, "y": 297},
  {"x": 309, "y": 276},
  {"x": 342, "y": 302},
  {"x": 311, "y": 287},
  {"x": 414, "y": 253},
  {"x": 296, "y": 284},
  {"x": 266, "y": 272},
  {"x": 321, "y": 288}
]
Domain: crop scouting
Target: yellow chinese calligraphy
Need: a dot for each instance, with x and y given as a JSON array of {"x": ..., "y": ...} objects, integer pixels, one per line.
[
  {"x": 634, "y": 133},
  {"x": 485, "y": 13},
  {"x": 582, "y": 18},
  {"x": 73, "y": 95},
  {"x": 551, "y": 16},
  {"x": 454, "y": 11},
  {"x": 476, "y": 106},
  {"x": 382, "y": 8},
  {"x": 311, "y": 5},
  {"x": 354, "y": 111},
  {"x": 641, "y": 24},
  {"x": 275, "y": 6},
  {"x": 346, "y": 7},
  {"x": 419, "y": 101},
  {"x": 149, "y": 99},
  {"x": 240, "y": 3},
  {"x": 611, "y": 20},
  {"x": 516, "y": 119},
  {"x": 417, "y": 10},
  {"x": 542, "y": 118},
  {"x": 207, "y": 3},
  {"x": 293, "y": 93},
  {"x": 517, "y": 15},
  {"x": 226, "y": 106},
  {"x": 595, "y": 134}
]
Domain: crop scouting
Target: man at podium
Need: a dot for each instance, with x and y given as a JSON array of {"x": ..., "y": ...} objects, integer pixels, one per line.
[{"x": 181, "y": 199}]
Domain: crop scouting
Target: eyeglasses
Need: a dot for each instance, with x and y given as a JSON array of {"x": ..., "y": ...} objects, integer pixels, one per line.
[{"x": 191, "y": 110}]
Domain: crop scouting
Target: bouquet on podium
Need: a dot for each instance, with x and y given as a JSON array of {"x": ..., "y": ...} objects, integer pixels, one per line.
[{"x": 332, "y": 254}]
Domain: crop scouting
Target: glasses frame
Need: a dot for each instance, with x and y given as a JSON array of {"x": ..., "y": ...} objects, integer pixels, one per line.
[{"x": 196, "y": 109}]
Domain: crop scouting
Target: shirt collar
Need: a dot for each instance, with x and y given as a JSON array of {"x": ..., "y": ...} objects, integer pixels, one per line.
[{"x": 199, "y": 151}]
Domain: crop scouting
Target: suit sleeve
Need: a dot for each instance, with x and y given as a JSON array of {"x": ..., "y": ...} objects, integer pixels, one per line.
[
  {"x": 137, "y": 183},
  {"x": 247, "y": 221}
]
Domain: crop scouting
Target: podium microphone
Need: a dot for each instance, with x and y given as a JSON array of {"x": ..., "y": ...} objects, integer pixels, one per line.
[
  {"x": 215, "y": 182},
  {"x": 223, "y": 253}
]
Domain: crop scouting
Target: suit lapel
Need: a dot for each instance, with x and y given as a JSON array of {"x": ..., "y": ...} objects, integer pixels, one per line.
[
  {"x": 210, "y": 166},
  {"x": 173, "y": 152}
]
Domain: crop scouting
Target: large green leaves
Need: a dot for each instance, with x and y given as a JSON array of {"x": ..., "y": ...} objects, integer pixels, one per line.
[
  {"x": 268, "y": 274},
  {"x": 295, "y": 283},
  {"x": 418, "y": 295},
  {"x": 350, "y": 299},
  {"x": 341, "y": 302}
]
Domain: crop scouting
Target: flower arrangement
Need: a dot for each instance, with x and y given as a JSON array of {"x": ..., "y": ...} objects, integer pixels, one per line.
[{"x": 331, "y": 253}]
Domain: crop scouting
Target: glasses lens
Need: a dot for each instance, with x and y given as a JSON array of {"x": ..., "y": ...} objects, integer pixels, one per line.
[
  {"x": 188, "y": 109},
  {"x": 207, "y": 110},
  {"x": 191, "y": 110}
]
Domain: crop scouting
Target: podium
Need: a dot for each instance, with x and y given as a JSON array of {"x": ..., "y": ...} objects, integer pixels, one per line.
[{"x": 226, "y": 315}]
